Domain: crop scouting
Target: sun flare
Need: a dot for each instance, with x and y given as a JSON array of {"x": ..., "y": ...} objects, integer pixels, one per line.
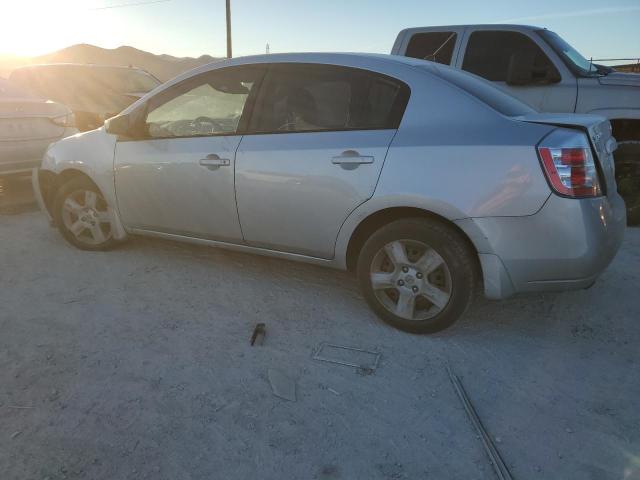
[{"x": 36, "y": 27}]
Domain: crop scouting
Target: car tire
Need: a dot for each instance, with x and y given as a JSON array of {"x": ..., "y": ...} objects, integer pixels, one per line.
[
  {"x": 435, "y": 281},
  {"x": 627, "y": 158},
  {"x": 83, "y": 216}
]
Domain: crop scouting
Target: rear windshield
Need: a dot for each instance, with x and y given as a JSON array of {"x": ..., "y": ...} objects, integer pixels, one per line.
[
  {"x": 11, "y": 91},
  {"x": 485, "y": 91},
  {"x": 46, "y": 80}
]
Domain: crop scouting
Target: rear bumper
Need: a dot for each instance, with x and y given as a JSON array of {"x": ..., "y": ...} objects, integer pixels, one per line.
[
  {"x": 12, "y": 163},
  {"x": 20, "y": 156},
  {"x": 18, "y": 168},
  {"x": 565, "y": 246}
]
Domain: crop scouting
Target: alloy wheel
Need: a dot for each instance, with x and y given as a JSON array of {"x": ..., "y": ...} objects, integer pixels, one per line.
[
  {"x": 86, "y": 215},
  {"x": 411, "y": 280}
]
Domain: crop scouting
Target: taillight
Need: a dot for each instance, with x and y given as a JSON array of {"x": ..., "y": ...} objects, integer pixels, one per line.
[
  {"x": 66, "y": 120},
  {"x": 571, "y": 171}
]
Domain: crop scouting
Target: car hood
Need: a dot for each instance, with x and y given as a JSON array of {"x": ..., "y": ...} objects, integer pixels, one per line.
[
  {"x": 31, "y": 107},
  {"x": 621, "y": 79}
]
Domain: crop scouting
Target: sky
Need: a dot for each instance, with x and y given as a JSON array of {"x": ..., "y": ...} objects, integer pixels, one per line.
[{"x": 195, "y": 27}]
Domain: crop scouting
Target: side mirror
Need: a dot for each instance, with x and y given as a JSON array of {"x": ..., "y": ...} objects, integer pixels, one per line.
[
  {"x": 119, "y": 125},
  {"x": 520, "y": 70}
]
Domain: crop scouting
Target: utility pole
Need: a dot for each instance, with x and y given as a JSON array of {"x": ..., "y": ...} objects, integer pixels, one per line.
[{"x": 229, "y": 29}]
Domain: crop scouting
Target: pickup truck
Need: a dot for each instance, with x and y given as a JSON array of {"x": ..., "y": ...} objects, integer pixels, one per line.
[{"x": 539, "y": 67}]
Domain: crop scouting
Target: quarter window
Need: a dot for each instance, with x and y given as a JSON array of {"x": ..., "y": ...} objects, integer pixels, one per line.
[
  {"x": 432, "y": 46},
  {"x": 489, "y": 54},
  {"x": 303, "y": 97},
  {"x": 210, "y": 104}
]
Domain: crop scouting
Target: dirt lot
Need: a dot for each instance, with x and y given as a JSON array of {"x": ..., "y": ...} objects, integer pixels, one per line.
[{"x": 136, "y": 364}]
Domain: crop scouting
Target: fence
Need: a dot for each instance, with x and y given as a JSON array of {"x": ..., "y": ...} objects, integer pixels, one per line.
[{"x": 626, "y": 67}]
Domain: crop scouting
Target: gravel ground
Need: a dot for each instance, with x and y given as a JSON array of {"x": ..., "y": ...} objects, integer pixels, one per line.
[{"x": 136, "y": 364}]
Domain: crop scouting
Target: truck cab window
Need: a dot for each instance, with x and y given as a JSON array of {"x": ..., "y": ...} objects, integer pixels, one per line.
[
  {"x": 489, "y": 54},
  {"x": 432, "y": 46}
]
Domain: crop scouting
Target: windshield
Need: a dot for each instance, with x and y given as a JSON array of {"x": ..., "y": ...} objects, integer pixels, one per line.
[
  {"x": 130, "y": 81},
  {"x": 574, "y": 60},
  {"x": 50, "y": 81}
]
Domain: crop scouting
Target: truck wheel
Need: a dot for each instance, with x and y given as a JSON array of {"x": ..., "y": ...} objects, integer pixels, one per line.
[
  {"x": 83, "y": 215},
  {"x": 417, "y": 275},
  {"x": 627, "y": 158}
]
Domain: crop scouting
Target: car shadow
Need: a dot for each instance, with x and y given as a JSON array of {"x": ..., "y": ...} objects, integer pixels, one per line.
[{"x": 482, "y": 315}]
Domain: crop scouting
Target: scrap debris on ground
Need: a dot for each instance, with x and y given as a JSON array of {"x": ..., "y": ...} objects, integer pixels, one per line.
[{"x": 135, "y": 364}]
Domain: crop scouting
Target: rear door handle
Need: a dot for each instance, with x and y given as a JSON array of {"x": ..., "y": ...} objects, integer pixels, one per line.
[
  {"x": 351, "y": 159},
  {"x": 214, "y": 161}
]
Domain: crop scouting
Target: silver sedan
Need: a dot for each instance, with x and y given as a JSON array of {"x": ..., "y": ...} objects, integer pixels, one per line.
[{"x": 425, "y": 181}]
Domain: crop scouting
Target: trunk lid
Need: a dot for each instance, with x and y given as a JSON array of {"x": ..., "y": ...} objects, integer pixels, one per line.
[
  {"x": 30, "y": 107},
  {"x": 29, "y": 119},
  {"x": 598, "y": 130}
]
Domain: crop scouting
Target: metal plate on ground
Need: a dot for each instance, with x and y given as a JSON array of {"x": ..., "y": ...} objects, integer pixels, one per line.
[{"x": 349, "y": 356}]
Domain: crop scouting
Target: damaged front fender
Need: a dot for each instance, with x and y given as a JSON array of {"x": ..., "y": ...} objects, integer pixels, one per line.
[{"x": 89, "y": 154}]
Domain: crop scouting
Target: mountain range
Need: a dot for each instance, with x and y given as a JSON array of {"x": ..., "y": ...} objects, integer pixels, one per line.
[{"x": 164, "y": 67}]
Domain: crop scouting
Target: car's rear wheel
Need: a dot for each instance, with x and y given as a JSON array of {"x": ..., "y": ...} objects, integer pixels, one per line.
[
  {"x": 417, "y": 275},
  {"x": 83, "y": 215}
]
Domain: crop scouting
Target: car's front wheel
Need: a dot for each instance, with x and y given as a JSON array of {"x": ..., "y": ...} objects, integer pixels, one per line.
[
  {"x": 83, "y": 215},
  {"x": 417, "y": 275}
]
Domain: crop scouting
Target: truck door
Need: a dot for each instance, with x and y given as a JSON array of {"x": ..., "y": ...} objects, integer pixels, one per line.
[{"x": 515, "y": 62}]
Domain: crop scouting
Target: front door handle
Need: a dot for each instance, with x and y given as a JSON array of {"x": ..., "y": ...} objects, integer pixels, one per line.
[
  {"x": 350, "y": 159},
  {"x": 213, "y": 161}
]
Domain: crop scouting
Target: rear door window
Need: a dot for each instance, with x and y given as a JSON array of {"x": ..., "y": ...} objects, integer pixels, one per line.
[
  {"x": 432, "y": 46},
  {"x": 312, "y": 97},
  {"x": 489, "y": 53},
  {"x": 11, "y": 91}
]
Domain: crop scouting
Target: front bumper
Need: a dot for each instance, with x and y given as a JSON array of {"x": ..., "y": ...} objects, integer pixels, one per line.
[
  {"x": 37, "y": 193},
  {"x": 565, "y": 246}
]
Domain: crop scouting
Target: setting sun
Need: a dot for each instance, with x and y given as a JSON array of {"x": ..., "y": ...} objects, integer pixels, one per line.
[
  {"x": 51, "y": 25},
  {"x": 304, "y": 239}
]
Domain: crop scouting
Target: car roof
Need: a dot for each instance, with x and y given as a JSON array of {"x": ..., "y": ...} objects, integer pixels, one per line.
[
  {"x": 484, "y": 26},
  {"x": 356, "y": 60}
]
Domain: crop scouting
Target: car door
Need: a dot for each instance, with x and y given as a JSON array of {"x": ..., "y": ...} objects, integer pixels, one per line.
[
  {"x": 178, "y": 177},
  {"x": 313, "y": 152},
  {"x": 490, "y": 54}
]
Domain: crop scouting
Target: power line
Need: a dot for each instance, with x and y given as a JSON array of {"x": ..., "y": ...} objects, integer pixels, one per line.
[
  {"x": 228, "y": 8},
  {"x": 124, "y": 5}
]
